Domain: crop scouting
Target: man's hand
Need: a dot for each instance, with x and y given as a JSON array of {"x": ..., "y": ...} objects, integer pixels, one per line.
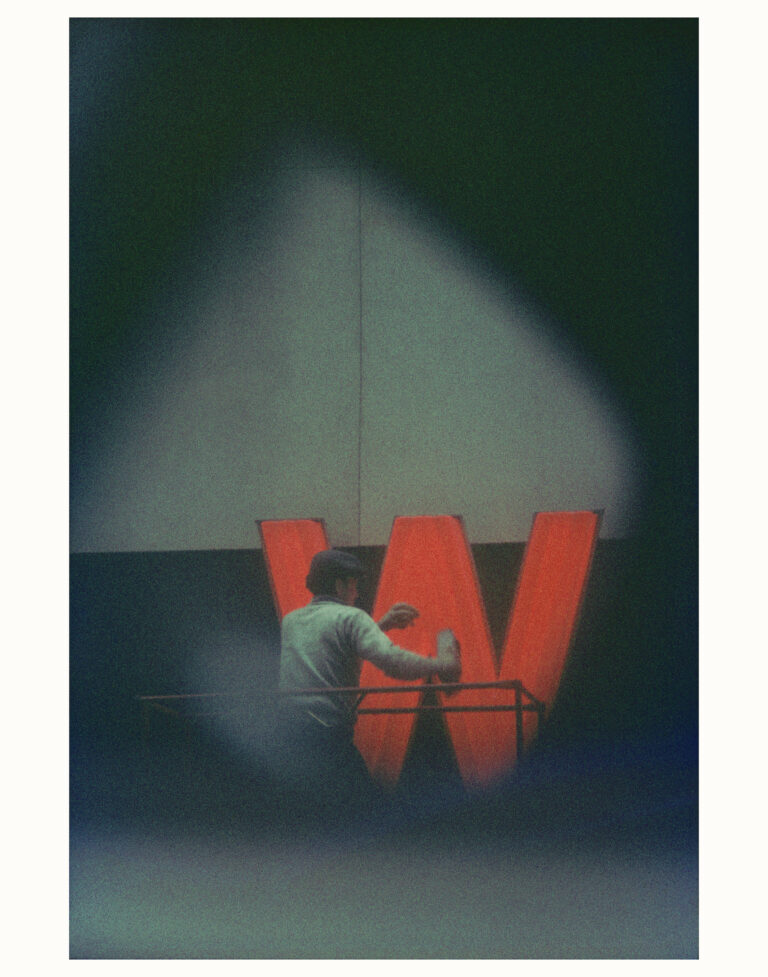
[
  {"x": 398, "y": 616},
  {"x": 448, "y": 657}
]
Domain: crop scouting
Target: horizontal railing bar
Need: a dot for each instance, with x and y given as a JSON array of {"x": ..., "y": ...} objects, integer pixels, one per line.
[
  {"x": 373, "y": 711},
  {"x": 398, "y": 709},
  {"x": 345, "y": 690}
]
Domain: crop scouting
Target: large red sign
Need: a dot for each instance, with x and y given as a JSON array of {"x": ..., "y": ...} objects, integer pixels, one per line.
[{"x": 429, "y": 564}]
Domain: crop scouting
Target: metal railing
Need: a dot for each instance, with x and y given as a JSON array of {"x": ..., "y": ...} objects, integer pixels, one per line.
[{"x": 524, "y": 700}]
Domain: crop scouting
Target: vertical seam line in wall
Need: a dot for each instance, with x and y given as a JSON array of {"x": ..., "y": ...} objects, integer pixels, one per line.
[{"x": 360, "y": 349}]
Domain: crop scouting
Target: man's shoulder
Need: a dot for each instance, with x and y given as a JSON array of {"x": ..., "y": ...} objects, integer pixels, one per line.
[
  {"x": 353, "y": 615},
  {"x": 330, "y": 609},
  {"x": 351, "y": 619}
]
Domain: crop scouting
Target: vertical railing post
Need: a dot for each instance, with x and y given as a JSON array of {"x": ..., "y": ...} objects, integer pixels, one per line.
[{"x": 519, "y": 720}]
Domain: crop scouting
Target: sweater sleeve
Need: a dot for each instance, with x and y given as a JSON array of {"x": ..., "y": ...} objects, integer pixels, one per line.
[{"x": 374, "y": 646}]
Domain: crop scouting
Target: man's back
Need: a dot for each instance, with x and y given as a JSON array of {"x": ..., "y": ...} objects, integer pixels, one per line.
[{"x": 320, "y": 650}]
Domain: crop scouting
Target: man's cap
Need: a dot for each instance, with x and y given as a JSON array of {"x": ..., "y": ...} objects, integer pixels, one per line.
[{"x": 329, "y": 565}]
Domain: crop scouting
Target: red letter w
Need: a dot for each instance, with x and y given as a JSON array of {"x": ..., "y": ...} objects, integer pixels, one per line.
[{"x": 429, "y": 564}]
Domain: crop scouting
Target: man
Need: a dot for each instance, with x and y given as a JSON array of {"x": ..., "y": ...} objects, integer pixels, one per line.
[{"x": 322, "y": 647}]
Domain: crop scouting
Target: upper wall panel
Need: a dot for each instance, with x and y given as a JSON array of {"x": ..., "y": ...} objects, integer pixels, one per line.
[
  {"x": 327, "y": 350},
  {"x": 246, "y": 406},
  {"x": 469, "y": 405}
]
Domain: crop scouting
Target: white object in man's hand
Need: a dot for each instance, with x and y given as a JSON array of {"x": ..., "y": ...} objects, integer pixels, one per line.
[
  {"x": 398, "y": 616},
  {"x": 448, "y": 656}
]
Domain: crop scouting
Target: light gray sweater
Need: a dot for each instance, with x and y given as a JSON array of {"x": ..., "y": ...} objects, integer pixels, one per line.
[{"x": 322, "y": 646}]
